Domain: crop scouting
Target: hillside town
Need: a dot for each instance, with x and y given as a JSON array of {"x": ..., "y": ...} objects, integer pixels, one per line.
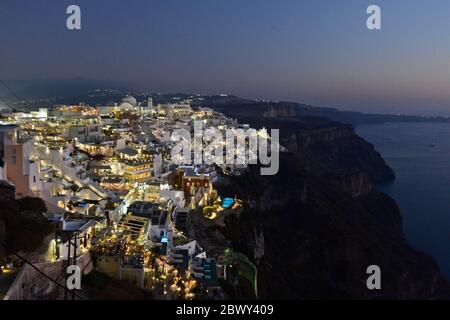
[{"x": 120, "y": 204}]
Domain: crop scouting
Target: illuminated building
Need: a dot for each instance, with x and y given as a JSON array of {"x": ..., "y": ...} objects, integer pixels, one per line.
[
  {"x": 175, "y": 111},
  {"x": 105, "y": 149},
  {"x": 203, "y": 112},
  {"x": 192, "y": 181},
  {"x": 135, "y": 171},
  {"x": 16, "y": 160}
]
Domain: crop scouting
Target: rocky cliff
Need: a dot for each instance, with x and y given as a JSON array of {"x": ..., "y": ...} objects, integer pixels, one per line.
[
  {"x": 23, "y": 228},
  {"x": 310, "y": 239},
  {"x": 314, "y": 228},
  {"x": 324, "y": 147},
  {"x": 338, "y": 152}
]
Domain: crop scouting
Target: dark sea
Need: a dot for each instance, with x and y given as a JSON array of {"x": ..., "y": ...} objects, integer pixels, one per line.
[{"x": 419, "y": 153}]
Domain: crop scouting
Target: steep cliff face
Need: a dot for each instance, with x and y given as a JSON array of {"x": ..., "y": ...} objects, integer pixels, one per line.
[
  {"x": 324, "y": 147},
  {"x": 310, "y": 239},
  {"x": 338, "y": 152},
  {"x": 315, "y": 227}
]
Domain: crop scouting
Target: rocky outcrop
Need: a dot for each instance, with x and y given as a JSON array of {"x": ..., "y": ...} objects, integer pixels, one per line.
[
  {"x": 338, "y": 149},
  {"x": 343, "y": 156},
  {"x": 31, "y": 285},
  {"x": 25, "y": 229},
  {"x": 322, "y": 146},
  {"x": 310, "y": 239},
  {"x": 315, "y": 227}
]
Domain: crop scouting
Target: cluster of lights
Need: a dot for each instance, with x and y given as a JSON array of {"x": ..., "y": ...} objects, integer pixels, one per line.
[{"x": 173, "y": 280}]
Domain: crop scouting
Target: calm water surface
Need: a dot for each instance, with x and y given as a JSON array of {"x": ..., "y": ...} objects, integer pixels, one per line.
[{"x": 419, "y": 153}]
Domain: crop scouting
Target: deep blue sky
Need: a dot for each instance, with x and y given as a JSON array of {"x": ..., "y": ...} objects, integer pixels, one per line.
[{"x": 317, "y": 52}]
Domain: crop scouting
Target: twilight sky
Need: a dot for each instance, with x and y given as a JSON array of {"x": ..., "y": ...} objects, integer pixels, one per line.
[{"x": 318, "y": 52}]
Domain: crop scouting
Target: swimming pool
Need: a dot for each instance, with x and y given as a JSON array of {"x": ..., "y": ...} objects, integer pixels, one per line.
[{"x": 227, "y": 202}]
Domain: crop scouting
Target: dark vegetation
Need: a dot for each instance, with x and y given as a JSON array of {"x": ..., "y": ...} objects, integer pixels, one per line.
[
  {"x": 22, "y": 225},
  {"x": 101, "y": 287}
]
